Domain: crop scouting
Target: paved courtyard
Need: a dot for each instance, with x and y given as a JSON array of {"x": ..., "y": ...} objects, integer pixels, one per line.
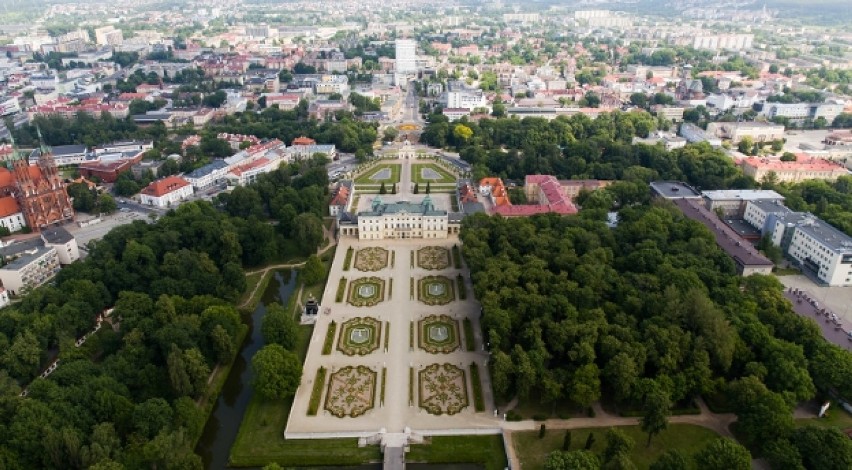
[{"x": 399, "y": 355}]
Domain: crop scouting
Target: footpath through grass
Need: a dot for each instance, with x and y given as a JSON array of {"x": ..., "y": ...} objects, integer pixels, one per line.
[
  {"x": 686, "y": 438},
  {"x": 487, "y": 451}
]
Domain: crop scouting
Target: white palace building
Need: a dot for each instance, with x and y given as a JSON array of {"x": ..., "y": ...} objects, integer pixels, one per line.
[{"x": 400, "y": 219}]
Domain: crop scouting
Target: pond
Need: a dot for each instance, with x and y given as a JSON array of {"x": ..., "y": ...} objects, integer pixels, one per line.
[{"x": 221, "y": 429}]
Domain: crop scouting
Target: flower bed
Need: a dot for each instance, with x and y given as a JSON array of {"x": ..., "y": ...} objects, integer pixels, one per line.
[
  {"x": 366, "y": 291},
  {"x": 435, "y": 290},
  {"x": 439, "y": 334},
  {"x": 443, "y": 389},
  {"x": 351, "y": 391},
  {"x": 359, "y": 336}
]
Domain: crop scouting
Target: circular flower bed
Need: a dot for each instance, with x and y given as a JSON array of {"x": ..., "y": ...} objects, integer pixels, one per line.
[
  {"x": 433, "y": 257},
  {"x": 371, "y": 259}
]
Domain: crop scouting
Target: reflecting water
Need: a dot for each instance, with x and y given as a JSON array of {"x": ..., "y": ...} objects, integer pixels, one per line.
[{"x": 221, "y": 429}]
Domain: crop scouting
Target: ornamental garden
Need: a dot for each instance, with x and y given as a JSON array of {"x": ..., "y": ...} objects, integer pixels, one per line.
[
  {"x": 443, "y": 389},
  {"x": 359, "y": 336},
  {"x": 435, "y": 290},
  {"x": 371, "y": 259},
  {"x": 366, "y": 291},
  {"x": 439, "y": 334},
  {"x": 351, "y": 391},
  {"x": 433, "y": 257}
]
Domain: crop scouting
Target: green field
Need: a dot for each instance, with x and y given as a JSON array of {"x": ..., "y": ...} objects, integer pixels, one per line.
[
  {"x": 484, "y": 450},
  {"x": 417, "y": 176},
  {"x": 686, "y": 438},
  {"x": 836, "y": 417},
  {"x": 367, "y": 177}
]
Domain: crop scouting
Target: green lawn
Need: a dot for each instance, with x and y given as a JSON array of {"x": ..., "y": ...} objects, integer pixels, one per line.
[
  {"x": 835, "y": 417},
  {"x": 417, "y": 175},
  {"x": 687, "y": 438},
  {"x": 367, "y": 176},
  {"x": 484, "y": 450}
]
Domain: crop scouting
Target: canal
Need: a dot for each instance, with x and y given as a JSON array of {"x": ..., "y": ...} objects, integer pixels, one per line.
[{"x": 221, "y": 429}]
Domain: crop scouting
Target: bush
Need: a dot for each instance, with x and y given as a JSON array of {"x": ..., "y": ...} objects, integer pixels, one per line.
[
  {"x": 540, "y": 417},
  {"x": 460, "y": 285},
  {"x": 469, "y": 342},
  {"x": 316, "y": 393},
  {"x": 329, "y": 338},
  {"x": 478, "y": 401},
  {"x": 341, "y": 290},
  {"x": 348, "y": 260},
  {"x": 457, "y": 257},
  {"x": 513, "y": 415}
]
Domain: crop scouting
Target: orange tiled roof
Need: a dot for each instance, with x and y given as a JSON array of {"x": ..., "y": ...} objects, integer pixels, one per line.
[{"x": 8, "y": 206}]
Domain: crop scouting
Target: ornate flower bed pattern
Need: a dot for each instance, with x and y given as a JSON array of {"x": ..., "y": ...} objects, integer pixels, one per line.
[
  {"x": 439, "y": 334},
  {"x": 366, "y": 291},
  {"x": 359, "y": 336},
  {"x": 443, "y": 389},
  {"x": 433, "y": 257},
  {"x": 435, "y": 290},
  {"x": 351, "y": 391},
  {"x": 371, "y": 259}
]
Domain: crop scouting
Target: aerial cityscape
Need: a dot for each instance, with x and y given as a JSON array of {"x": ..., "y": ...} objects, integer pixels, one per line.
[{"x": 466, "y": 235}]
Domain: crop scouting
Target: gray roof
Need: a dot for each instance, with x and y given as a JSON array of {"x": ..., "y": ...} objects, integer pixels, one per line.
[
  {"x": 56, "y": 236},
  {"x": 425, "y": 207},
  {"x": 207, "y": 169},
  {"x": 62, "y": 150},
  {"x": 27, "y": 257},
  {"x": 833, "y": 239},
  {"x": 742, "y": 194},
  {"x": 21, "y": 246},
  {"x": 674, "y": 190},
  {"x": 770, "y": 206}
]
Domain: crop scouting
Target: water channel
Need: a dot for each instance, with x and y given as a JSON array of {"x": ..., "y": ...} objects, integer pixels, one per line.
[
  {"x": 224, "y": 423},
  {"x": 221, "y": 429}
]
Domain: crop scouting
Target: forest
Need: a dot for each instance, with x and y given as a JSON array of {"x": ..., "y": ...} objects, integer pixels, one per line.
[
  {"x": 646, "y": 317},
  {"x": 127, "y": 398}
]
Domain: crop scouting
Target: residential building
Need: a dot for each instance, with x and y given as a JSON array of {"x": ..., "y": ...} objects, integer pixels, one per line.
[
  {"x": 247, "y": 173},
  {"x": 715, "y": 42},
  {"x": 63, "y": 242},
  {"x": 454, "y": 114},
  {"x": 406, "y": 56},
  {"x": 820, "y": 250},
  {"x": 801, "y": 111},
  {"x": 694, "y": 134},
  {"x": 762, "y": 214},
  {"x": 400, "y": 219},
  {"x": 737, "y": 131},
  {"x": 29, "y": 269},
  {"x": 794, "y": 172},
  {"x": 467, "y": 99},
  {"x": 674, "y": 190},
  {"x": 572, "y": 188},
  {"x": 341, "y": 201},
  {"x": 64, "y": 155},
  {"x": 748, "y": 260},
  {"x": 207, "y": 175},
  {"x": 732, "y": 202},
  {"x": 166, "y": 192},
  {"x": 11, "y": 217},
  {"x": 108, "y": 36}
]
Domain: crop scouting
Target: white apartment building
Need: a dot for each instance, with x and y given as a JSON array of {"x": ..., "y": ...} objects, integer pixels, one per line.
[
  {"x": 406, "y": 56},
  {"x": 734, "y": 202},
  {"x": 399, "y": 220},
  {"x": 108, "y": 36},
  {"x": 732, "y": 42},
  {"x": 468, "y": 99},
  {"x": 762, "y": 214},
  {"x": 166, "y": 192},
  {"x": 822, "y": 250},
  {"x": 737, "y": 131},
  {"x": 31, "y": 269},
  {"x": 800, "y": 111},
  {"x": 63, "y": 242}
]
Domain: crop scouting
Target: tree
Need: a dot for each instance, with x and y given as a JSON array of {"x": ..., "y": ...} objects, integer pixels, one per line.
[
  {"x": 746, "y": 145},
  {"x": 23, "y": 357},
  {"x": 617, "y": 443},
  {"x": 106, "y": 204},
  {"x": 462, "y": 133},
  {"x": 823, "y": 448},
  {"x": 277, "y": 372},
  {"x": 585, "y": 387},
  {"x": 656, "y": 409},
  {"x": 788, "y": 157},
  {"x": 723, "y": 454},
  {"x": 416, "y": 188},
  {"x": 574, "y": 460},
  {"x": 393, "y": 189},
  {"x": 566, "y": 441},
  {"x": 279, "y": 327},
  {"x": 307, "y": 231},
  {"x": 313, "y": 271},
  {"x": 428, "y": 187},
  {"x": 390, "y": 134},
  {"x": 541, "y": 431},
  {"x": 382, "y": 189},
  {"x": 590, "y": 441},
  {"x": 671, "y": 459},
  {"x": 177, "y": 372},
  {"x": 639, "y": 100}
]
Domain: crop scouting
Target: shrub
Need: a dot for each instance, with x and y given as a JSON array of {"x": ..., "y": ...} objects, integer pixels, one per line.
[
  {"x": 478, "y": 401},
  {"x": 541, "y": 431},
  {"x": 348, "y": 260},
  {"x": 329, "y": 338},
  {"x": 469, "y": 342},
  {"x": 540, "y": 417},
  {"x": 457, "y": 257},
  {"x": 460, "y": 284},
  {"x": 341, "y": 290},
  {"x": 513, "y": 415},
  {"x": 316, "y": 393}
]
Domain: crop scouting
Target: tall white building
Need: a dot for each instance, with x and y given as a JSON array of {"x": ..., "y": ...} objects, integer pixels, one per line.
[{"x": 406, "y": 56}]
